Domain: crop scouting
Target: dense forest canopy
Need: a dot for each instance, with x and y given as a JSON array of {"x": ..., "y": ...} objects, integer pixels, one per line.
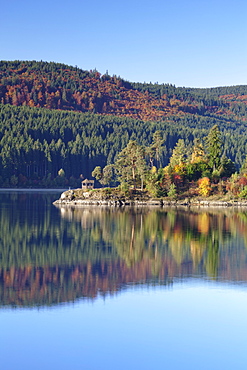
[
  {"x": 58, "y": 86},
  {"x": 54, "y": 116}
]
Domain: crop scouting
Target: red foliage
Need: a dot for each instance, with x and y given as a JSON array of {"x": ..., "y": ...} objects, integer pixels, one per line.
[
  {"x": 242, "y": 181},
  {"x": 70, "y": 89}
]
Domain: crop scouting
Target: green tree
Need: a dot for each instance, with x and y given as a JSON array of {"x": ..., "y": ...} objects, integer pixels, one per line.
[
  {"x": 108, "y": 175},
  {"x": 178, "y": 154},
  {"x": 213, "y": 145},
  {"x": 130, "y": 164},
  {"x": 155, "y": 148},
  {"x": 105, "y": 175},
  {"x": 227, "y": 167},
  {"x": 243, "y": 169},
  {"x": 97, "y": 173},
  {"x": 172, "y": 191}
]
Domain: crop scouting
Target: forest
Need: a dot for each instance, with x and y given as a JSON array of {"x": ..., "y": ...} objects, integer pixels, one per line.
[
  {"x": 57, "y": 122},
  {"x": 58, "y": 86}
]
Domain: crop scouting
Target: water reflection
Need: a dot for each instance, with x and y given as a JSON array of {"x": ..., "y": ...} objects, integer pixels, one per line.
[{"x": 50, "y": 255}]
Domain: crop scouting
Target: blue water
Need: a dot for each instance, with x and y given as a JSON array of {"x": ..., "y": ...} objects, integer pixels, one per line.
[{"x": 184, "y": 315}]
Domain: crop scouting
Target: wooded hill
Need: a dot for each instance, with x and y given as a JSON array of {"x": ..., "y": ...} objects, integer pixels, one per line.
[
  {"x": 54, "y": 116},
  {"x": 58, "y": 86}
]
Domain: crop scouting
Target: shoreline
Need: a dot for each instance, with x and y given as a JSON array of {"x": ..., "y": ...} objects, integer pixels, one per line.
[
  {"x": 161, "y": 204},
  {"x": 71, "y": 198}
]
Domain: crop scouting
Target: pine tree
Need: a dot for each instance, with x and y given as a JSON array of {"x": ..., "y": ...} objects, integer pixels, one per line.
[
  {"x": 155, "y": 148},
  {"x": 178, "y": 154},
  {"x": 213, "y": 145},
  {"x": 130, "y": 164}
]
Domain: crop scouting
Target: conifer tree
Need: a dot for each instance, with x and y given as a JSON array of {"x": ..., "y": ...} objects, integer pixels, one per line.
[
  {"x": 130, "y": 164},
  {"x": 178, "y": 154},
  {"x": 155, "y": 148},
  {"x": 213, "y": 145}
]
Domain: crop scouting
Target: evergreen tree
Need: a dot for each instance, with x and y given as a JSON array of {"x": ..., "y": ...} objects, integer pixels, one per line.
[
  {"x": 108, "y": 175},
  {"x": 227, "y": 167},
  {"x": 213, "y": 145},
  {"x": 155, "y": 148},
  {"x": 178, "y": 154},
  {"x": 130, "y": 164}
]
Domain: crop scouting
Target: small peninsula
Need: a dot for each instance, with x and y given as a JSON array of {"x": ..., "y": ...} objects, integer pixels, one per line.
[
  {"x": 114, "y": 197},
  {"x": 197, "y": 176}
]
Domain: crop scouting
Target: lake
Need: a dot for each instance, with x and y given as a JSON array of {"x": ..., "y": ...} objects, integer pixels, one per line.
[{"x": 100, "y": 288}]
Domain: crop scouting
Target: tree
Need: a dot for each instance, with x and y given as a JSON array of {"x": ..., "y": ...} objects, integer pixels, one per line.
[
  {"x": 198, "y": 153},
  {"x": 204, "y": 187},
  {"x": 213, "y": 145},
  {"x": 227, "y": 167},
  {"x": 243, "y": 169},
  {"x": 172, "y": 191},
  {"x": 130, "y": 164},
  {"x": 154, "y": 150},
  {"x": 97, "y": 173},
  {"x": 178, "y": 154},
  {"x": 104, "y": 176},
  {"x": 197, "y": 165},
  {"x": 61, "y": 173},
  {"x": 61, "y": 179},
  {"x": 107, "y": 175}
]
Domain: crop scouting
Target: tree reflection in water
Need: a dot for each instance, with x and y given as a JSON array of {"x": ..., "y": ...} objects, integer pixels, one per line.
[{"x": 51, "y": 255}]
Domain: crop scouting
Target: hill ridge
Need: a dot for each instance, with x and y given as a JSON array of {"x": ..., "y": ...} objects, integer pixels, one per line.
[{"x": 53, "y": 85}]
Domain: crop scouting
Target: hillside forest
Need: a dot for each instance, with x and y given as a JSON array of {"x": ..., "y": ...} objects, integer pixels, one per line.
[{"x": 58, "y": 123}]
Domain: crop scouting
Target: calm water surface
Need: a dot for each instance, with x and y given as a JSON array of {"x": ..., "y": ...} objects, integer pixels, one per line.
[{"x": 130, "y": 289}]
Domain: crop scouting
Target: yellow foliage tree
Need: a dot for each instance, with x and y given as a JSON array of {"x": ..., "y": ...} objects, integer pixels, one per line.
[{"x": 204, "y": 187}]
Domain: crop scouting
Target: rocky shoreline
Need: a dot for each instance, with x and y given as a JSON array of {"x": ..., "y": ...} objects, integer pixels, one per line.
[{"x": 88, "y": 198}]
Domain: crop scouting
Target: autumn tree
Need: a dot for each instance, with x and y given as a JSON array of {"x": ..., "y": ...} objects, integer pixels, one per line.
[
  {"x": 197, "y": 165},
  {"x": 204, "y": 187},
  {"x": 198, "y": 152}
]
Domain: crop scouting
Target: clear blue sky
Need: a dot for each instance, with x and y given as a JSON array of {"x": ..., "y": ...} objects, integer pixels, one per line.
[{"x": 196, "y": 43}]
